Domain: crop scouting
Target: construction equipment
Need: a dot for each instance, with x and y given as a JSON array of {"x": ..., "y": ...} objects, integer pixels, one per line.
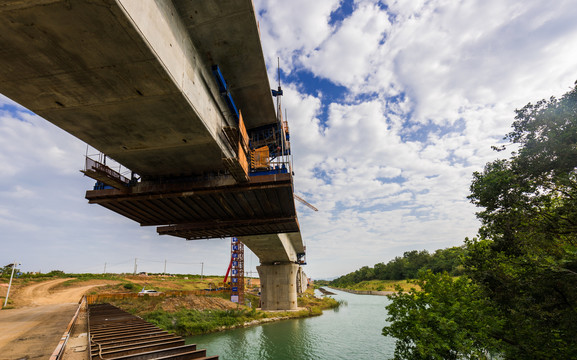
[
  {"x": 236, "y": 270},
  {"x": 259, "y": 158},
  {"x": 305, "y": 202},
  {"x": 270, "y": 151}
]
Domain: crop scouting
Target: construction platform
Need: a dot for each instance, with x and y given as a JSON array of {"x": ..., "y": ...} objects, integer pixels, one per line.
[{"x": 215, "y": 208}]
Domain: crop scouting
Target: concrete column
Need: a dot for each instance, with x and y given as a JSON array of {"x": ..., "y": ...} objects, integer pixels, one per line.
[
  {"x": 278, "y": 285},
  {"x": 302, "y": 281}
]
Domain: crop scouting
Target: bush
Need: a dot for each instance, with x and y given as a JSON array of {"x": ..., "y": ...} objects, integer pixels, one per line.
[
  {"x": 128, "y": 286},
  {"x": 56, "y": 273}
]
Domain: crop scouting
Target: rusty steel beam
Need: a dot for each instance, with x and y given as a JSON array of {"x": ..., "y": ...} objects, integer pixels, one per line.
[
  {"x": 117, "y": 340},
  {"x": 138, "y": 329},
  {"x": 184, "y": 352},
  {"x": 113, "y": 195},
  {"x": 115, "y": 334},
  {"x": 226, "y": 224},
  {"x": 214, "y": 208},
  {"x": 161, "y": 189},
  {"x": 138, "y": 348},
  {"x": 245, "y": 227}
]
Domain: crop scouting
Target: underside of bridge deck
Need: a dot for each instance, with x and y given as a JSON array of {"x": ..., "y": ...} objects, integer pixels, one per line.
[
  {"x": 219, "y": 229},
  {"x": 177, "y": 94},
  {"x": 207, "y": 209}
]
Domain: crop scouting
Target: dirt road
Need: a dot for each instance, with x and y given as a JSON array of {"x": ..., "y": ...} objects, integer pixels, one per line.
[
  {"x": 35, "y": 327},
  {"x": 44, "y": 293}
]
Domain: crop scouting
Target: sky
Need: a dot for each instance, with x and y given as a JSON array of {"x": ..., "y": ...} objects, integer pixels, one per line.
[{"x": 392, "y": 105}]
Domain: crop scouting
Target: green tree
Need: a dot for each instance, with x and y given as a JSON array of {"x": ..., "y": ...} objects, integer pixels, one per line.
[
  {"x": 416, "y": 260},
  {"x": 407, "y": 267},
  {"x": 445, "y": 319},
  {"x": 522, "y": 271},
  {"x": 527, "y": 259}
]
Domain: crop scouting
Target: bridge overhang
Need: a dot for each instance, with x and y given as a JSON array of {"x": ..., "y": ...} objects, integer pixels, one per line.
[{"x": 214, "y": 208}]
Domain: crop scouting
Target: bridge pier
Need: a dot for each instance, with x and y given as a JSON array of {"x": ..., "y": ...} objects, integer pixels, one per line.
[
  {"x": 278, "y": 285},
  {"x": 281, "y": 276}
]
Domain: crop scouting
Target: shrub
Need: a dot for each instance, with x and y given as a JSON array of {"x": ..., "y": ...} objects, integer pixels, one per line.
[{"x": 128, "y": 286}]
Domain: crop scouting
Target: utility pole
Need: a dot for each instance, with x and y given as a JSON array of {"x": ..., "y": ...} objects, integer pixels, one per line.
[
  {"x": 134, "y": 266},
  {"x": 10, "y": 284},
  {"x": 164, "y": 267},
  {"x": 201, "y": 270}
]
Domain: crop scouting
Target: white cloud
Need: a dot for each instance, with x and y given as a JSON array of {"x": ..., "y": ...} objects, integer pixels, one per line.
[
  {"x": 18, "y": 192},
  {"x": 30, "y": 143},
  {"x": 430, "y": 86},
  {"x": 347, "y": 57},
  {"x": 398, "y": 169},
  {"x": 291, "y": 27}
]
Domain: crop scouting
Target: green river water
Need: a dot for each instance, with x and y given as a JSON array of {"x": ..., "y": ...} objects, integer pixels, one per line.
[{"x": 351, "y": 332}]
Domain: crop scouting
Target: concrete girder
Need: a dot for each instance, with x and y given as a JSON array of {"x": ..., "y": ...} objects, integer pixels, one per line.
[
  {"x": 275, "y": 248},
  {"x": 123, "y": 76},
  {"x": 226, "y": 32}
]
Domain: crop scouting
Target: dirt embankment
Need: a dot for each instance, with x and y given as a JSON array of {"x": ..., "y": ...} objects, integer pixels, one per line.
[
  {"x": 142, "y": 306},
  {"x": 197, "y": 303},
  {"x": 53, "y": 292},
  {"x": 41, "y": 313}
]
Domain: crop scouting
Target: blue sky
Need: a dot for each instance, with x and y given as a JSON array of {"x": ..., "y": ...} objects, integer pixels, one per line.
[{"x": 392, "y": 106}]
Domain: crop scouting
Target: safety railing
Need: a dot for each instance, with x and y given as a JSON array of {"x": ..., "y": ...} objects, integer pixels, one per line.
[
  {"x": 93, "y": 165},
  {"x": 59, "y": 351}
]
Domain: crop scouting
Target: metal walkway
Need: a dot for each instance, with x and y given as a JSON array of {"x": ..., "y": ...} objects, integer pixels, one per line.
[{"x": 116, "y": 334}]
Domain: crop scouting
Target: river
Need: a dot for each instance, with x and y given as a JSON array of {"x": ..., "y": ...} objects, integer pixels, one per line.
[{"x": 351, "y": 332}]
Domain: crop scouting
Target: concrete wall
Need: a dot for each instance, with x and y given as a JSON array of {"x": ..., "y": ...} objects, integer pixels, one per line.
[{"x": 273, "y": 248}]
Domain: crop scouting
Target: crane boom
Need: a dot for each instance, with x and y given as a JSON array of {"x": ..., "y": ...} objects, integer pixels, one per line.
[{"x": 305, "y": 202}]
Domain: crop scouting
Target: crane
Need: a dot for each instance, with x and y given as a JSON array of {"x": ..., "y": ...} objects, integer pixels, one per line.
[{"x": 305, "y": 202}]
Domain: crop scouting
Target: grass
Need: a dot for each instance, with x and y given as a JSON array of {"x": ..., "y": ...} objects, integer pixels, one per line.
[
  {"x": 381, "y": 285},
  {"x": 188, "y": 322},
  {"x": 9, "y": 305}
]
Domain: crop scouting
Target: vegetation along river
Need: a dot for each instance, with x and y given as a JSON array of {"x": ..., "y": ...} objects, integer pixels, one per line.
[{"x": 352, "y": 331}]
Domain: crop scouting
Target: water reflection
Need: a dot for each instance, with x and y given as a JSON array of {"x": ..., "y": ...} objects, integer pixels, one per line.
[{"x": 354, "y": 331}]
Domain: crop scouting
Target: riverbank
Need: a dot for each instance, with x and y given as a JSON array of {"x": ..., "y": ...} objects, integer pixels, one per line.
[
  {"x": 377, "y": 287},
  {"x": 326, "y": 292},
  {"x": 365, "y": 292},
  {"x": 194, "y": 315}
]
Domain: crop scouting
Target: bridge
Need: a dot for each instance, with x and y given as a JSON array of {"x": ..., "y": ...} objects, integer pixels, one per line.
[{"x": 177, "y": 93}]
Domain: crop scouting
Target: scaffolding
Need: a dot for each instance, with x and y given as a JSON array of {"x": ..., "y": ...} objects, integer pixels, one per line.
[
  {"x": 106, "y": 177},
  {"x": 237, "y": 271},
  {"x": 270, "y": 144}
]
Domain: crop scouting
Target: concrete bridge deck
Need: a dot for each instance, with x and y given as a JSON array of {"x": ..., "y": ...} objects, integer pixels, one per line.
[
  {"x": 132, "y": 78},
  {"x": 136, "y": 80}
]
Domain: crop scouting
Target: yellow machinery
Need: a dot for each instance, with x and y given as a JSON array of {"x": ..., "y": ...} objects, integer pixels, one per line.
[{"x": 259, "y": 158}]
